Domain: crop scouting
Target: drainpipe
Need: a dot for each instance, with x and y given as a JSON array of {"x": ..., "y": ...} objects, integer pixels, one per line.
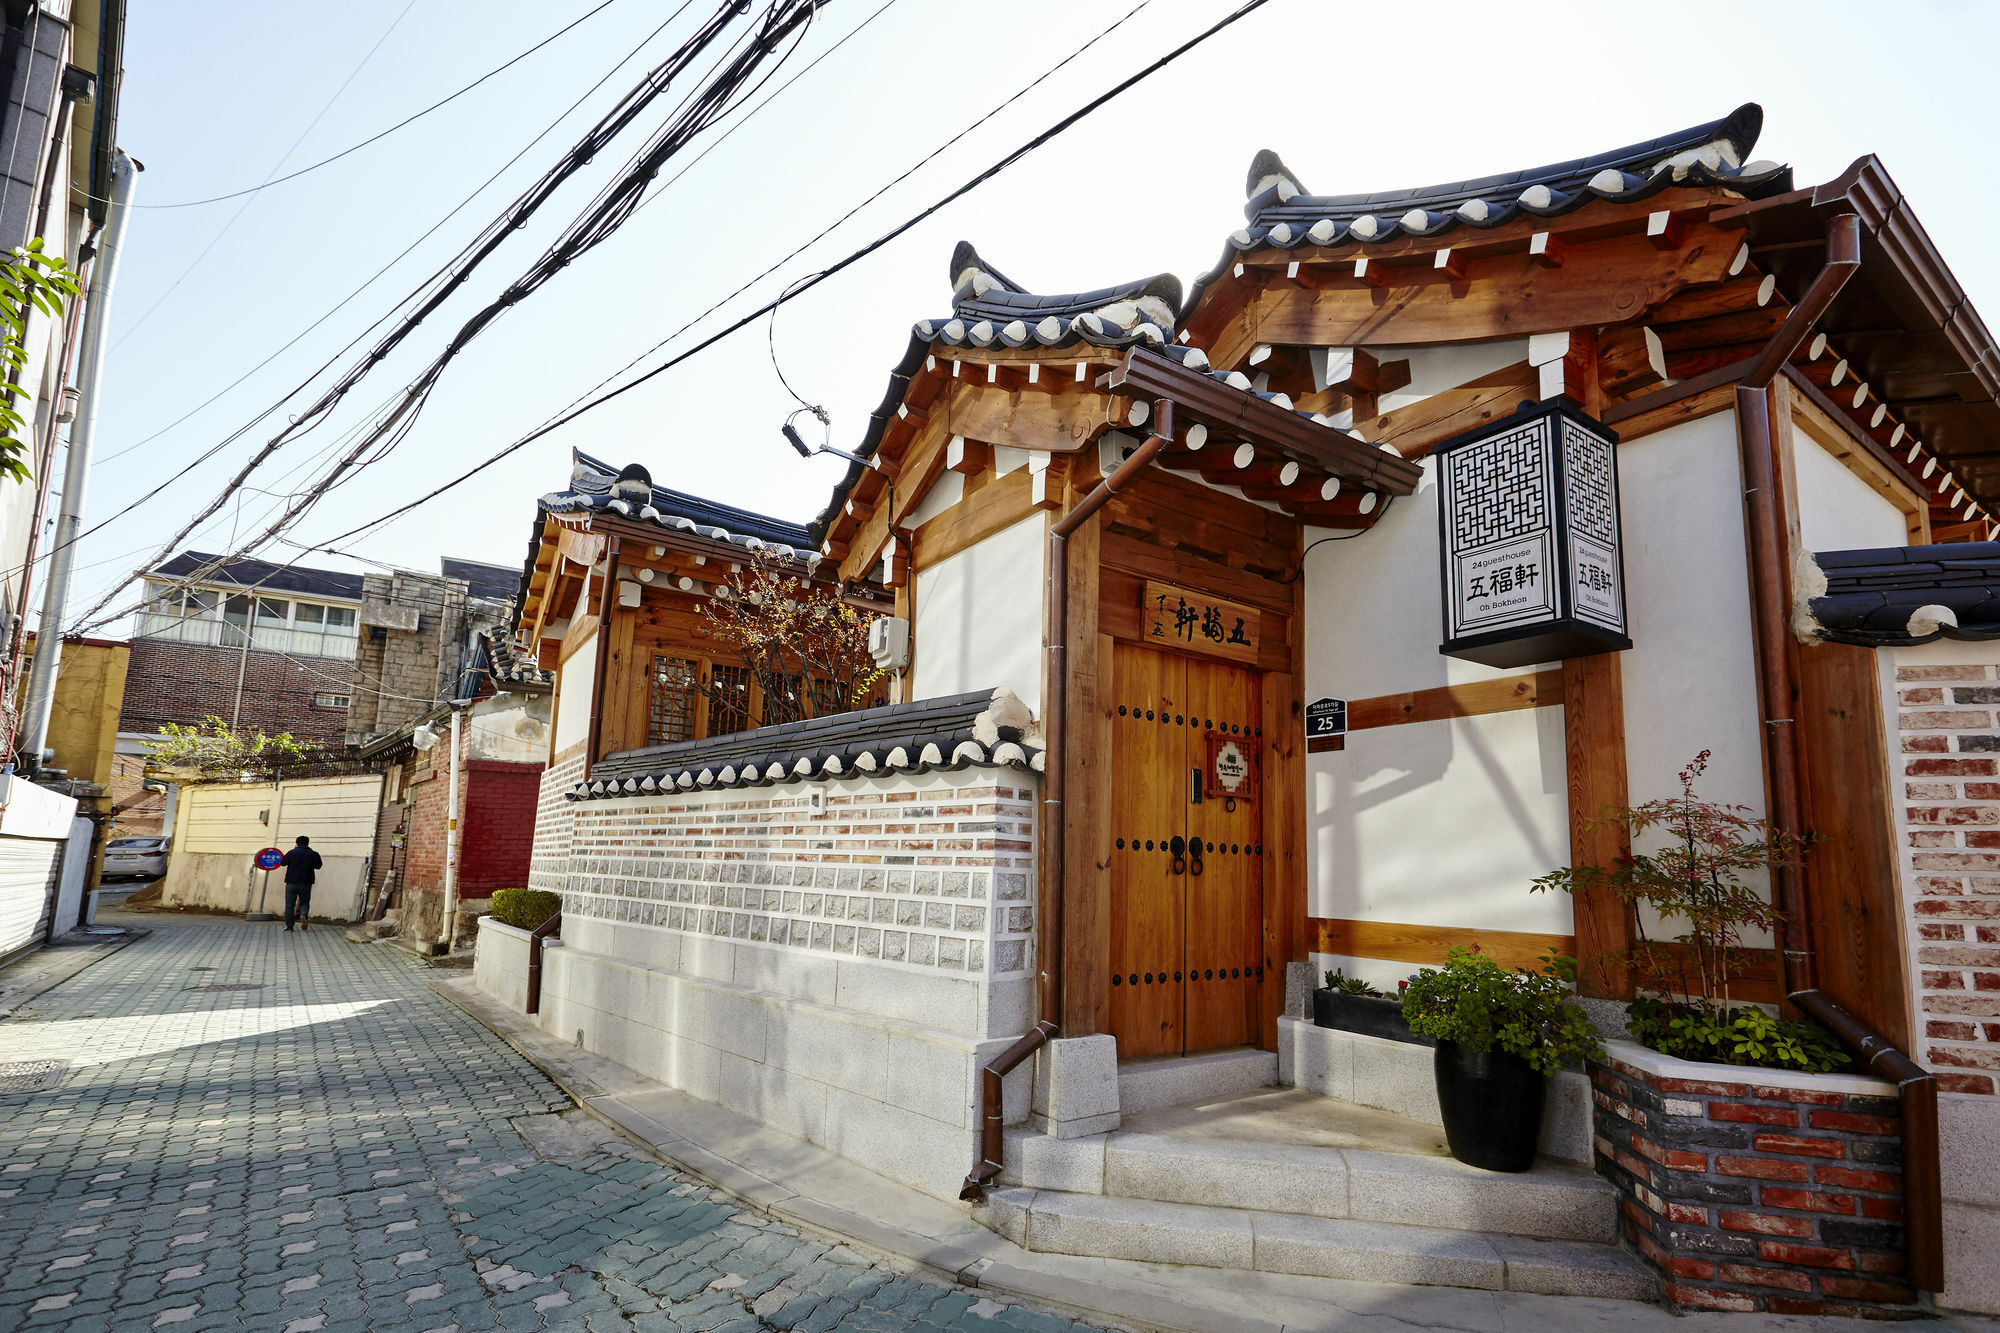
[
  {"x": 553, "y": 926},
  {"x": 1771, "y": 601},
  {"x": 76, "y": 472},
  {"x": 992, "y": 1108}
]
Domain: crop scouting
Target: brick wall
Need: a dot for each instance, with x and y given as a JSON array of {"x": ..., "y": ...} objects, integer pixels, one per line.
[
  {"x": 1950, "y": 784},
  {"x": 548, "y": 864},
  {"x": 1782, "y": 1195},
  {"x": 935, "y": 879},
  {"x": 134, "y": 809},
  {"x": 499, "y": 826},
  {"x": 184, "y": 683}
]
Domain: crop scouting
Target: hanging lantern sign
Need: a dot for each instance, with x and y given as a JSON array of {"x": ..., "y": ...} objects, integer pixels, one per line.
[{"x": 1528, "y": 519}]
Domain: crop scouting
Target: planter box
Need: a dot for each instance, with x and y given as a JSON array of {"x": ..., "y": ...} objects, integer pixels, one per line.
[
  {"x": 1364, "y": 1014},
  {"x": 1755, "y": 1189}
]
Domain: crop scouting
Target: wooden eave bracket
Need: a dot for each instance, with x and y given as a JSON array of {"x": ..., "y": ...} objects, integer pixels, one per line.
[{"x": 1235, "y": 414}]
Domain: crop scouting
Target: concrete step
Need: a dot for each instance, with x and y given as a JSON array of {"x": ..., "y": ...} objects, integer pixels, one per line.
[
  {"x": 1150, "y": 1231},
  {"x": 1172, "y": 1080},
  {"x": 1555, "y": 1201}
]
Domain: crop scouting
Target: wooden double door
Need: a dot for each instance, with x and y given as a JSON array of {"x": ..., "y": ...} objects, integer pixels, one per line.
[{"x": 1187, "y": 858}]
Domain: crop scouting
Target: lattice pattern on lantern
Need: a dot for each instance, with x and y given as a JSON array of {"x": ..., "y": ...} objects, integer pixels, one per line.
[
  {"x": 1489, "y": 501},
  {"x": 1593, "y": 499}
]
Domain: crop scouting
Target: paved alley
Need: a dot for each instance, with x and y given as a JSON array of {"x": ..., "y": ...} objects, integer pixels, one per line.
[{"x": 236, "y": 1130}]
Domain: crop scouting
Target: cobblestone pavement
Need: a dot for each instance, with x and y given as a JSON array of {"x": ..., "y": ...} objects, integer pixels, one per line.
[{"x": 288, "y": 1135}]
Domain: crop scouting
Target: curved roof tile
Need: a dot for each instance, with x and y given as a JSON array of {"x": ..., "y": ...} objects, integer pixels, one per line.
[{"x": 1901, "y": 595}]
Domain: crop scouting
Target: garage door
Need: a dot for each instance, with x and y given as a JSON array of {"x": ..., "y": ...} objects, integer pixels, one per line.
[{"x": 27, "y": 877}]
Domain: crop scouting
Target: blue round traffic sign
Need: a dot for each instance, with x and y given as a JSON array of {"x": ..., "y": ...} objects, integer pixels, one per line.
[{"x": 270, "y": 859}]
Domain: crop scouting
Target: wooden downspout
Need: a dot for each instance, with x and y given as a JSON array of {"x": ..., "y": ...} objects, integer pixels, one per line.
[
  {"x": 553, "y": 926},
  {"x": 1049, "y": 858},
  {"x": 1771, "y": 598}
]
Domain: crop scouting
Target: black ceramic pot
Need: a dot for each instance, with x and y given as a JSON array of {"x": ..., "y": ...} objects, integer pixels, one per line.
[
  {"x": 1492, "y": 1106},
  {"x": 1369, "y": 1015}
]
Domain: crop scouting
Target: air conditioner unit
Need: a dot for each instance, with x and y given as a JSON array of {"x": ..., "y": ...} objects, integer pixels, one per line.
[{"x": 889, "y": 642}]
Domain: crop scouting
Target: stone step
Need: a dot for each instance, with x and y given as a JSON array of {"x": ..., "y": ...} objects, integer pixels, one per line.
[
  {"x": 1150, "y": 1231},
  {"x": 1555, "y": 1201},
  {"x": 1146, "y": 1085}
]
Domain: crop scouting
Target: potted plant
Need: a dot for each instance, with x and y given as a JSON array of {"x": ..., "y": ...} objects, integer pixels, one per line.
[
  {"x": 1500, "y": 1037},
  {"x": 1352, "y": 1005},
  {"x": 1698, "y": 878}
]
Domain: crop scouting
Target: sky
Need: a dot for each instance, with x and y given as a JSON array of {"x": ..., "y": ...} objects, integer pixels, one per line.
[{"x": 221, "y": 95}]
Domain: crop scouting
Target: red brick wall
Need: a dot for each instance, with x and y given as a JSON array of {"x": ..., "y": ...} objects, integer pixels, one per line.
[
  {"x": 185, "y": 682},
  {"x": 498, "y": 829},
  {"x": 1951, "y": 788},
  {"x": 1748, "y": 1196}
]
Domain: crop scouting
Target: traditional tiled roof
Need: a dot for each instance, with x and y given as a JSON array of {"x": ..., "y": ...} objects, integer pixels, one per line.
[
  {"x": 509, "y": 669},
  {"x": 991, "y": 310},
  {"x": 990, "y": 728},
  {"x": 492, "y": 582},
  {"x": 263, "y": 576},
  {"x": 1899, "y": 595},
  {"x": 1283, "y": 214},
  {"x": 596, "y": 486}
]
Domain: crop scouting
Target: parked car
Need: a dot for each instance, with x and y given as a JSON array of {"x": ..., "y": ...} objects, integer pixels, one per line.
[{"x": 145, "y": 857}]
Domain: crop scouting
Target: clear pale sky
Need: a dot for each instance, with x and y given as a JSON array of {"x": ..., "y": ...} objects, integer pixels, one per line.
[{"x": 1353, "y": 97}]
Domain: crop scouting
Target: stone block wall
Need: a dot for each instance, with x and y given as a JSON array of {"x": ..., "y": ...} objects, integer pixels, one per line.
[
  {"x": 836, "y": 959},
  {"x": 407, "y": 668},
  {"x": 1950, "y": 785},
  {"x": 1755, "y": 1189}
]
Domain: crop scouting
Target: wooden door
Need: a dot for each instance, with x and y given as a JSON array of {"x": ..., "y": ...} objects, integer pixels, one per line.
[
  {"x": 1225, "y": 903},
  {"x": 1186, "y": 867}
]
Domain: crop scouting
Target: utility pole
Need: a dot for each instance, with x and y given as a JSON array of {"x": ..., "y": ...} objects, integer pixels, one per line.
[
  {"x": 76, "y": 470},
  {"x": 447, "y": 929}
]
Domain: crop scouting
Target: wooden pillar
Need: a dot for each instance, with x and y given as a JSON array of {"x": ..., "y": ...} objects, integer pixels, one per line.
[
  {"x": 1287, "y": 936},
  {"x": 1086, "y": 942},
  {"x": 1594, "y": 742}
]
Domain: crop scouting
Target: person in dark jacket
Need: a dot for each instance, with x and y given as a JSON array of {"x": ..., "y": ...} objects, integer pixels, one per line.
[{"x": 300, "y": 864}]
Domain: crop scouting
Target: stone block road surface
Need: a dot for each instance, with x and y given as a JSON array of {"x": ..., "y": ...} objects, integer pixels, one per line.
[{"x": 286, "y": 1133}]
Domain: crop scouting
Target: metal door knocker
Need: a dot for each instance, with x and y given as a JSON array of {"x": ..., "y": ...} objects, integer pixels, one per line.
[{"x": 1179, "y": 848}]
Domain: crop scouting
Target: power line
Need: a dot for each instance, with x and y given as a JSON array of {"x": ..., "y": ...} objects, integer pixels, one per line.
[
  {"x": 815, "y": 279},
  {"x": 195, "y": 263},
  {"x": 423, "y": 235},
  {"x": 595, "y": 140},
  {"x": 401, "y": 124}
]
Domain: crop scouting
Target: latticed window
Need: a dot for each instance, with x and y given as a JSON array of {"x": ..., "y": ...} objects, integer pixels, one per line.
[
  {"x": 670, "y": 708},
  {"x": 825, "y": 698},
  {"x": 728, "y": 700},
  {"x": 788, "y": 705}
]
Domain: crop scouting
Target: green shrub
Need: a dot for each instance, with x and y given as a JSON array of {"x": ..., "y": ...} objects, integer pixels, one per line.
[
  {"x": 1336, "y": 980},
  {"x": 526, "y": 908},
  {"x": 1747, "y": 1036},
  {"x": 1472, "y": 1001}
]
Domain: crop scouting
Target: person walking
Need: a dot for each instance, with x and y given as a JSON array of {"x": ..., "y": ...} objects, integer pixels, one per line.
[{"x": 300, "y": 864}]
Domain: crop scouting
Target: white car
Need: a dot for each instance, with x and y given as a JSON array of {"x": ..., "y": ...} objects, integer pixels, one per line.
[{"x": 145, "y": 857}]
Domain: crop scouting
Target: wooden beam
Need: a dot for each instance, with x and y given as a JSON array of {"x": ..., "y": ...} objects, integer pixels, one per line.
[
  {"x": 1629, "y": 360},
  {"x": 1404, "y": 942},
  {"x": 1417, "y": 429},
  {"x": 1505, "y": 296},
  {"x": 1000, "y": 504},
  {"x": 1593, "y": 700},
  {"x": 1031, "y": 418},
  {"x": 1531, "y": 689}
]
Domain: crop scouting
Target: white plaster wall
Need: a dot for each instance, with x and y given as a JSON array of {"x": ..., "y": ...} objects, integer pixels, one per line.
[
  {"x": 573, "y": 687},
  {"x": 500, "y": 963},
  {"x": 1838, "y": 511},
  {"x": 1443, "y": 823},
  {"x": 1690, "y": 678},
  {"x": 978, "y": 622}
]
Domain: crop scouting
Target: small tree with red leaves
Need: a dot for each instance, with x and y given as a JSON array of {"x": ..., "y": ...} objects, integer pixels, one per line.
[{"x": 806, "y": 649}]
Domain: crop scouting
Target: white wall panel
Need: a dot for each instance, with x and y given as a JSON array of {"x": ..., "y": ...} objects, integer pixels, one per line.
[
  {"x": 574, "y": 680},
  {"x": 1838, "y": 511},
  {"x": 1443, "y": 823},
  {"x": 979, "y": 617}
]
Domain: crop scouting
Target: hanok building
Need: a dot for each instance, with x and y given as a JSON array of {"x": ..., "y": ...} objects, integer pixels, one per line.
[{"x": 1302, "y": 623}]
